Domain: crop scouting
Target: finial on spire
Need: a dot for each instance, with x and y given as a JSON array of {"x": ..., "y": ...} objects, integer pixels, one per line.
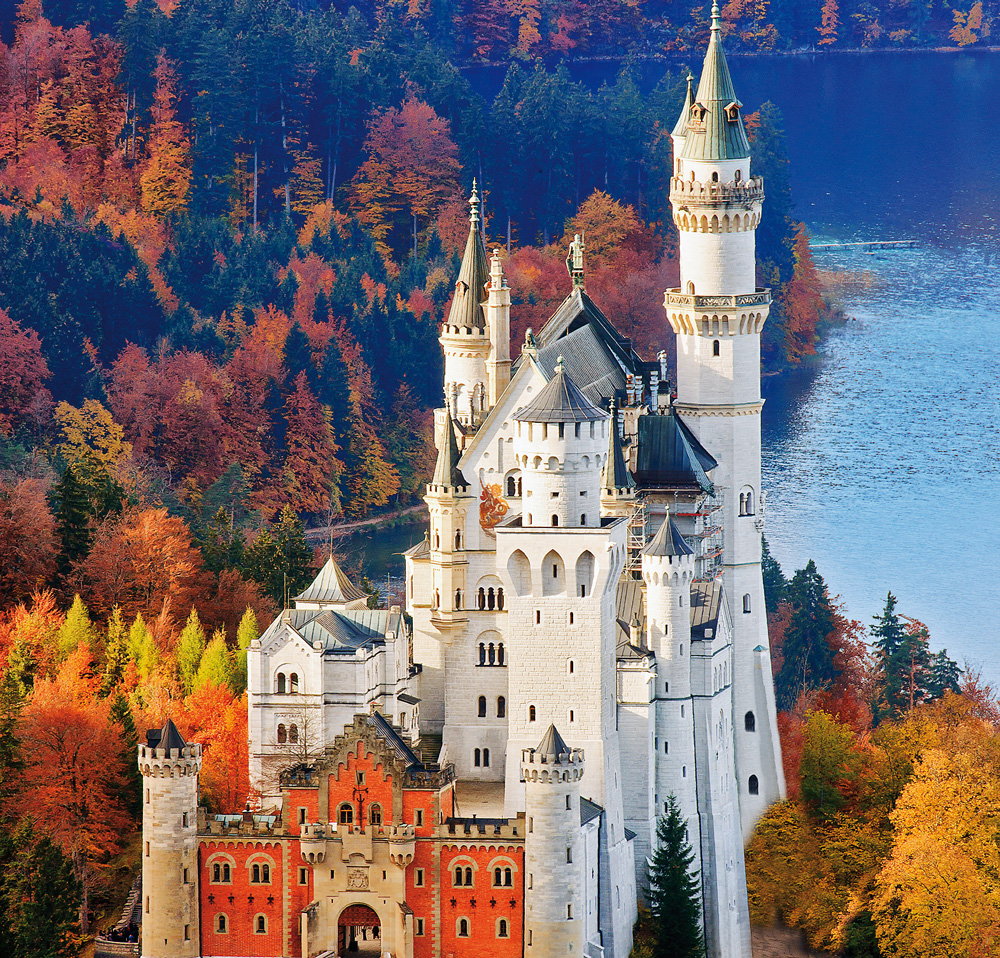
[
  {"x": 474, "y": 205},
  {"x": 560, "y": 365},
  {"x": 716, "y": 16}
]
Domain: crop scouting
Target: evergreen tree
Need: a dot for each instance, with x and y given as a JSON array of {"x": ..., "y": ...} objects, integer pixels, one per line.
[
  {"x": 943, "y": 675},
  {"x": 775, "y": 583},
  {"x": 903, "y": 660},
  {"x": 190, "y": 647},
  {"x": 116, "y": 651},
  {"x": 39, "y": 896},
  {"x": 131, "y": 784},
  {"x": 334, "y": 391},
  {"x": 222, "y": 543},
  {"x": 216, "y": 667},
  {"x": 298, "y": 357},
  {"x": 808, "y": 654},
  {"x": 248, "y": 631},
  {"x": 674, "y": 890},
  {"x": 73, "y": 514},
  {"x": 76, "y": 629},
  {"x": 279, "y": 560},
  {"x": 12, "y": 696}
]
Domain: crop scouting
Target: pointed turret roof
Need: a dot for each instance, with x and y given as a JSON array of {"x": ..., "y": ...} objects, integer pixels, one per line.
[
  {"x": 668, "y": 542},
  {"x": 552, "y": 748},
  {"x": 470, "y": 287},
  {"x": 166, "y": 737},
  {"x": 682, "y": 121},
  {"x": 331, "y": 587},
  {"x": 446, "y": 471},
  {"x": 615, "y": 478},
  {"x": 715, "y": 125},
  {"x": 560, "y": 400}
]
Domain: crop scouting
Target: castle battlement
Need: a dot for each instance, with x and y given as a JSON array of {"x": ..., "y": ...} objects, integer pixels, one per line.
[{"x": 694, "y": 193}]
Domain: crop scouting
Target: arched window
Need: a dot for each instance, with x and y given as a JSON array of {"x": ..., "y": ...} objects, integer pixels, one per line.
[
  {"x": 571, "y": 666},
  {"x": 282, "y": 734},
  {"x": 500, "y": 654},
  {"x": 511, "y": 487},
  {"x": 500, "y": 599},
  {"x": 468, "y": 877},
  {"x": 458, "y": 876},
  {"x": 255, "y": 875},
  {"x": 477, "y": 758},
  {"x": 583, "y": 520},
  {"x": 501, "y": 707},
  {"x": 260, "y": 925},
  {"x": 220, "y": 925},
  {"x": 752, "y": 786},
  {"x": 458, "y": 539},
  {"x": 437, "y": 540},
  {"x": 749, "y": 722},
  {"x": 265, "y": 874},
  {"x": 555, "y": 520},
  {"x": 486, "y": 758},
  {"x": 743, "y": 504},
  {"x": 716, "y": 348},
  {"x": 497, "y": 877},
  {"x": 463, "y": 927},
  {"x": 281, "y": 683},
  {"x": 502, "y": 929},
  {"x": 482, "y": 651},
  {"x": 293, "y": 683},
  {"x": 293, "y": 734},
  {"x": 226, "y": 875},
  {"x": 491, "y": 599},
  {"x": 345, "y": 814},
  {"x": 493, "y": 654},
  {"x": 482, "y": 706},
  {"x": 746, "y": 602},
  {"x": 458, "y": 598},
  {"x": 690, "y": 286},
  {"x": 508, "y": 878},
  {"x": 481, "y": 598},
  {"x": 531, "y": 713},
  {"x": 375, "y": 814},
  {"x": 750, "y": 503},
  {"x": 715, "y": 177},
  {"x": 216, "y": 872}
]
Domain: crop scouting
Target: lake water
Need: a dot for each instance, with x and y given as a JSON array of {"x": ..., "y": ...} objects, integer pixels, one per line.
[{"x": 881, "y": 460}]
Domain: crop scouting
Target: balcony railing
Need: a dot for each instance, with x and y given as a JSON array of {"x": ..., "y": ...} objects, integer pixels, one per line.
[
  {"x": 692, "y": 193},
  {"x": 674, "y": 297}
]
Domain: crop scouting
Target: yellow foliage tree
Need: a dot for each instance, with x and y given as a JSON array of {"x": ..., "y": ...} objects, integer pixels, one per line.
[
  {"x": 967, "y": 25},
  {"x": 166, "y": 179},
  {"x": 91, "y": 435},
  {"x": 939, "y": 893},
  {"x": 605, "y": 224}
]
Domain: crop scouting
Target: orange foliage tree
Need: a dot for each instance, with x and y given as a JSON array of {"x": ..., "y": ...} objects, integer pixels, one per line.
[
  {"x": 28, "y": 545},
  {"x": 217, "y": 719},
  {"x": 23, "y": 370},
  {"x": 167, "y": 174},
  {"x": 74, "y": 764}
]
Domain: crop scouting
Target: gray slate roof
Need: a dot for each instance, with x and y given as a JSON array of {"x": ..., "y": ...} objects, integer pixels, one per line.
[
  {"x": 166, "y": 737},
  {"x": 560, "y": 400},
  {"x": 336, "y": 630},
  {"x": 668, "y": 541},
  {"x": 470, "y": 287},
  {"x": 332, "y": 585},
  {"x": 669, "y": 455},
  {"x": 383, "y": 727},
  {"x": 706, "y": 600},
  {"x": 588, "y": 810},
  {"x": 552, "y": 748},
  {"x": 446, "y": 471},
  {"x": 716, "y": 137}
]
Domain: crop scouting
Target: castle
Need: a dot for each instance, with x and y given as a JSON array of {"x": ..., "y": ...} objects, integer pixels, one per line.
[{"x": 584, "y": 637}]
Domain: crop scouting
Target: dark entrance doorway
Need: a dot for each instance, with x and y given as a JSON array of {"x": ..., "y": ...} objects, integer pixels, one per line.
[{"x": 359, "y": 932}]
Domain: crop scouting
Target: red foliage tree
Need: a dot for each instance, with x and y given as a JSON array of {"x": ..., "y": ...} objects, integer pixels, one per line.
[
  {"x": 28, "y": 543},
  {"x": 23, "y": 370}
]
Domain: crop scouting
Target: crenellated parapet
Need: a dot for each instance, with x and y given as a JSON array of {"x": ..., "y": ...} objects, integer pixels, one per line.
[
  {"x": 693, "y": 194},
  {"x": 535, "y": 767},
  {"x": 169, "y": 762}
]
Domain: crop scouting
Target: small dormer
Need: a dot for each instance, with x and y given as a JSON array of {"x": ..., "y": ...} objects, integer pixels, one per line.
[
  {"x": 732, "y": 111},
  {"x": 696, "y": 120}
]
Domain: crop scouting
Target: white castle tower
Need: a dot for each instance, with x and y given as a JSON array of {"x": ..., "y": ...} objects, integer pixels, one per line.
[
  {"x": 718, "y": 313},
  {"x": 554, "y": 911},
  {"x": 169, "y": 769},
  {"x": 465, "y": 337},
  {"x": 561, "y": 564}
]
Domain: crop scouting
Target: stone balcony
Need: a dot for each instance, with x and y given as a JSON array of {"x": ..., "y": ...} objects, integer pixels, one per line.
[
  {"x": 693, "y": 194},
  {"x": 674, "y": 297}
]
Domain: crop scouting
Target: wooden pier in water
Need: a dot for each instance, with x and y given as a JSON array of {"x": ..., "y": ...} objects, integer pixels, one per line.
[{"x": 869, "y": 246}]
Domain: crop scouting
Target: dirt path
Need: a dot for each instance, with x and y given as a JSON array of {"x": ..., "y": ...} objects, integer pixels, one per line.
[
  {"x": 339, "y": 529},
  {"x": 779, "y": 943}
]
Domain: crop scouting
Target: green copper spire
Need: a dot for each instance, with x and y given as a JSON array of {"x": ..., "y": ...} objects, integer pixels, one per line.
[
  {"x": 616, "y": 480},
  {"x": 446, "y": 471},
  {"x": 470, "y": 289},
  {"x": 715, "y": 125},
  {"x": 682, "y": 120}
]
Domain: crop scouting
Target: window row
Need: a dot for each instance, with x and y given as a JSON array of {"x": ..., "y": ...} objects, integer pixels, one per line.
[
  {"x": 288, "y": 735},
  {"x": 345, "y": 814},
  {"x": 286, "y": 685},
  {"x": 503, "y": 877},
  {"x": 489, "y": 598},
  {"x": 481, "y": 758},
  {"x": 260, "y": 873},
  {"x": 463, "y": 928},
  {"x": 501, "y": 706},
  {"x": 492, "y": 654},
  {"x": 533, "y": 714},
  {"x": 221, "y": 925}
]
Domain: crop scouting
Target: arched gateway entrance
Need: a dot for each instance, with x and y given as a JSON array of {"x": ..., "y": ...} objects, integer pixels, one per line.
[{"x": 359, "y": 932}]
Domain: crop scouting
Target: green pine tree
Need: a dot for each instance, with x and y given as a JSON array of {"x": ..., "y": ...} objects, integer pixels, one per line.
[
  {"x": 674, "y": 894},
  {"x": 130, "y": 787},
  {"x": 73, "y": 512},
  {"x": 943, "y": 675},
  {"x": 12, "y": 697},
  {"x": 904, "y": 662},
  {"x": 76, "y": 628},
  {"x": 39, "y": 895},
  {"x": 248, "y": 631},
  {"x": 298, "y": 357},
  {"x": 279, "y": 560},
  {"x": 775, "y": 583},
  {"x": 190, "y": 647},
  {"x": 216, "y": 667},
  {"x": 116, "y": 651}
]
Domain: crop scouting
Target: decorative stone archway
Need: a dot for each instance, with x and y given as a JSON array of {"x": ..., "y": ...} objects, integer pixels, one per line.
[{"x": 359, "y": 932}]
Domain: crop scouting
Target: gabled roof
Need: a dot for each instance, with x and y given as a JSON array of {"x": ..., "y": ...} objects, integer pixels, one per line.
[
  {"x": 337, "y": 630},
  {"x": 668, "y": 541},
  {"x": 383, "y": 727},
  {"x": 166, "y": 737},
  {"x": 560, "y": 400},
  {"x": 588, "y": 810},
  {"x": 715, "y": 136},
  {"x": 552, "y": 748},
  {"x": 446, "y": 471},
  {"x": 470, "y": 287},
  {"x": 670, "y": 456},
  {"x": 331, "y": 587},
  {"x": 615, "y": 477}
]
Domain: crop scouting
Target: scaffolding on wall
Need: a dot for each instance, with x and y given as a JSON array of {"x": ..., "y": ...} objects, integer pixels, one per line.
[
  {"x": 636, "y": 539},
  {"x": 707, "y": 539}
]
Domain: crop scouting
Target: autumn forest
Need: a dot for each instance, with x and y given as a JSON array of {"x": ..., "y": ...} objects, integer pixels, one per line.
[{"x": 228, "y": 234}]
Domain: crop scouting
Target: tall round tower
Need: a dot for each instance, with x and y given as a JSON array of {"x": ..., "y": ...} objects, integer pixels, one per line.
[
  {"x": 554, "y": 911},
  {"x": 465, "y": 336},
  {"x": 667, "y": 572},
  {"x": 169, "y": 767},
  {"x": 718, "y": 313},
  {"x": 561, "y": 442}
]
